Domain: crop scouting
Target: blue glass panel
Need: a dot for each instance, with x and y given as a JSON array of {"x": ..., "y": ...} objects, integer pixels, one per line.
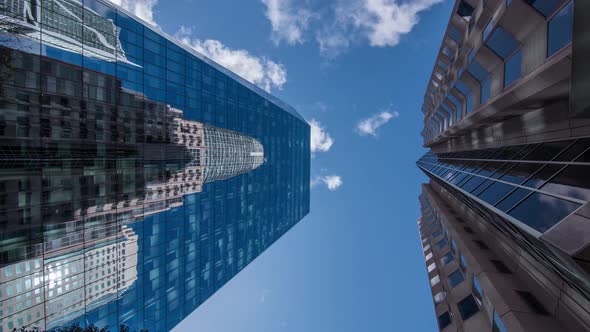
[
  {"x": 455, "y": 34},
  {"x": 546, "y": 7},
  {"x": 511, "y": 200},
  {"x": 471, "y": 55},
  {"x": 512, "y": 68},
  {"x": 495, "y": 192},
  {"x": 487, "y": 30},
  {"x": 541, "y": 212},
  {"x": 560, "y": 29},
  {"x": 462, "y": 87},
  {"x": 498, "y": 324},
  {"x": 456, "y": 278},
  {"x": 478, "y": 71},
  {"x": 447, "y": 51},
  {"x": 502, "y": 43}
]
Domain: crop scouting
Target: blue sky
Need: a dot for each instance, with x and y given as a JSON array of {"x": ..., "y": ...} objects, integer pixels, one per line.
[{"x": 356, "y": 70}]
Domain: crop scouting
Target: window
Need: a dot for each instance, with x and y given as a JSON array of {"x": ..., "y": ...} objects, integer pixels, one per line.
[
  {"x": 463, "y": 262},
  {"x": 502, "y": 43},
  {"x": 512, "y": 68},
  {"x": 467, "y": 307},
  {"x": 444, "y": 320},
  {"x": 456, "y": 278},
  {"x": 560, "y": 29},
  {"x": 498, "y": 324},
  {"x": 431, "y": 267},
  {"x": 545, "y": 7},
  {"x": 434, "y": 281},
  {"x": 440, "y": 297},
  {"x": 454, "y": 246},
  {"x": 429, "y": 256},
  {"x": 565, "y": 185},
  {"x": 532, "y": 302},
  {"x": 477, "y": 290},
  {"x": 447, "y": 258},
  {"x": 541, "y": 212},
  {"x": 437, "y": 233},
  {"x": 441, "y": 243},
  {"x": 488, "y": 29}
]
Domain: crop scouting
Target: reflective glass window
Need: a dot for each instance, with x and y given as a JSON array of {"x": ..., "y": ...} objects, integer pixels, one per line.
[
  {"x": 447, "y": 51},
  {"x": 512, "y": 68},
  {"x": 471, "y": 55},
  {"x": 444, "y": 320},
  {"x": 487, "y": 30},
  {"x": 440, "y": 297},
  {"x": 502, "y": 43},
  {"x": 560, "y": 29},
  {"x": 541, "y": 212},
  {"x": 463, "y": 262},
  {"x": 447, "y": 258},
  {"x": 434, "y": 281},
  {"x": 477, "y": 290},
  {"x": 520, "y": 172},
  {"x": 495, "y": 192},
  {"x": 455, "y": 34},
  {"x": 440, "y": 244},
  {"x": 478, "y": 71},
  {"x": 545, "y": 7},
  {"x": 542, "y": 175},
  {"x": 511, "y": 200},
  {"x": 467, "y": 307},
  {"x": 572, "y": 182},
  {"x": 456, "y": 278},
  {"x": 547, "y": 151},
  {"x": 574, "y": 150},
  {"x": 498, "y": 324}
]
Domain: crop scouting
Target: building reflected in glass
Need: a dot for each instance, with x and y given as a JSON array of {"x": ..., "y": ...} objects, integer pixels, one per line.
[{"x": 136, "y": 176}]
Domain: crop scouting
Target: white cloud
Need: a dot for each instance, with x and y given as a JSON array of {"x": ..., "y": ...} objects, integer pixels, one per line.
[
  {"x": 380, "y": 22},
  {"x": 333, "y": 182},
  {"x": 321, "y": 141},
  {"x": 385, "y": 21},
  {"x": 143, "y": 9},
  {"x": 288, "y": 23},
  {"x": 259, "y": 70},
  {"x": 370, "y": 125}
]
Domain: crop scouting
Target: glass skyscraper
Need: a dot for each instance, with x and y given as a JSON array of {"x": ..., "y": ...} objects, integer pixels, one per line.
[
  {"x": 136, "y": 176},
  {"x": 505, "y": 218}
]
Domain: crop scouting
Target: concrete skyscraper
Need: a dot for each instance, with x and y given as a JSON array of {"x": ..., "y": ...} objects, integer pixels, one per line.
[{"x": 505, "y": 224}]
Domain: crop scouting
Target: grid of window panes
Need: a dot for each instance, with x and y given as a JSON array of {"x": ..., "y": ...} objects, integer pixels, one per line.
[
  {"x": 537, "y": 184},
  {"x": 430, "y": 226},
  {"x": 228, "y": 153},
  {"x": 559, "y": 15},
  {"x": 84, "y": 130}
]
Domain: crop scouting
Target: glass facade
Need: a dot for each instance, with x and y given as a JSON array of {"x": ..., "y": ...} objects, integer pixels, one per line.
[
  {"x": 532, "y": 183},
  {"x": 137, "y": 177}
]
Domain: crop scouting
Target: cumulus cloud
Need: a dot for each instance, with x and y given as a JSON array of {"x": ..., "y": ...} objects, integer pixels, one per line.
[
  {"x": 385, "y": 21},
  {"x": 143, "y": 9},
  {"x": 370, "y": 125},
  {"x": 381, "y": 23},
  {"x": 288, "y": 23},
  {"x": 321, "y": 141},
  {"x": 259, "y": 70},
  {"x": 332, "y": 182}
]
